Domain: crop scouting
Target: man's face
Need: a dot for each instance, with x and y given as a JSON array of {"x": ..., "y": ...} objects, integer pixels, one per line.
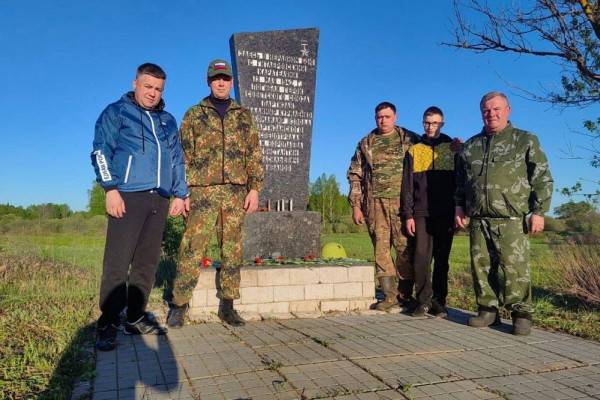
[
  {"x": 220, "y": 86},
  {"x": 495, "y": 113},
  {"x": 432, "y": 125},
  {"x": 148, "y": 90},
  {"x": 386, "y": 120}
]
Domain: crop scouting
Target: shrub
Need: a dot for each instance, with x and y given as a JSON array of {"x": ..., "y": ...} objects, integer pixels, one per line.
[
  {"x": 340, "y": 227},
  {"x": 554, "y": 225},
  {"x": 581, "y": 265}
]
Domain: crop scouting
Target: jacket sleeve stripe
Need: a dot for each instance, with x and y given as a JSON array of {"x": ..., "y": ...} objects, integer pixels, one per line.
[{"x": 102, "y": 166}]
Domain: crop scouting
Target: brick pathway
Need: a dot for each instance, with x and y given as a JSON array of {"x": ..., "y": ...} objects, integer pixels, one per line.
[{"x": 367, "y": 356}]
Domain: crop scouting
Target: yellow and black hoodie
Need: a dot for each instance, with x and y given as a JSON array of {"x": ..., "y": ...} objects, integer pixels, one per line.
[{"x": 428, "y": 179}]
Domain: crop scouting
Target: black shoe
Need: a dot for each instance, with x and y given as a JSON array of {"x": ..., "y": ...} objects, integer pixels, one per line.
[
  {"x": 487, "y": 316},
  {"x": 409, "y": 305},
  {"x": 144, "y": 326},
  {"x": 229, "y": 315},
  {"x": 438, "y": 310},
  {"x": 176, "y": 315},
  {"x": 522, "y": 323},
  {"x": 421, "y": 310},
  {"x": 106, "y": 338}
]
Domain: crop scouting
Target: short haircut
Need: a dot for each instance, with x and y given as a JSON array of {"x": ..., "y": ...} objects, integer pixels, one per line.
[
  {"x": 491, "y": 95},
  {"x": 385, "y": 104},
  {"x": 433, "y": 110},
  {"x": 152, "y": 70}
]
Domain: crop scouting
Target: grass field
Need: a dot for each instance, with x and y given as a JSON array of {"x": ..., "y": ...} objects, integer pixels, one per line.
[
  {"x": 48, "y": 288},
  {"x": 48, "y": 303}
]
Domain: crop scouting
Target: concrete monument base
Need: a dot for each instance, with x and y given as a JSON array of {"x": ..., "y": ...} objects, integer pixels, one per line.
[{"x": 271, "y": 292}]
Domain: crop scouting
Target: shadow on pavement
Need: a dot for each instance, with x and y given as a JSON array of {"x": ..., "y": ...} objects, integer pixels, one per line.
[{"x": 140, "y": 366}]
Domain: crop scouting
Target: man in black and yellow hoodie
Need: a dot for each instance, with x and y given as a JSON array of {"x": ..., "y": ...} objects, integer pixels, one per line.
[{"x": 427, "y": 207}]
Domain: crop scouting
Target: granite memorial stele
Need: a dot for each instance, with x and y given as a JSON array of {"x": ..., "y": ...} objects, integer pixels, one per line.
[{"x": 275, "y": 76}]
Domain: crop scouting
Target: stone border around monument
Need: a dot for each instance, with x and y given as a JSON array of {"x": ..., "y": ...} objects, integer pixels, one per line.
[{"x": 278, "y": 291}]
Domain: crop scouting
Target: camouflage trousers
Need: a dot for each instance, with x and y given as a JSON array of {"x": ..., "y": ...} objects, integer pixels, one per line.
[
  {"x": 385, "y": 229},
  {"x": 500, "y": 263},
  {"x": 219, "y": 207}
]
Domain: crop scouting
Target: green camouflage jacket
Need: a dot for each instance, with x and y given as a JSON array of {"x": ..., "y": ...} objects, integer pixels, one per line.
[
  {"x": 221, "y": 151},
  {"x": 509, "y": 177},
  {"x": 360, "y": 172}
]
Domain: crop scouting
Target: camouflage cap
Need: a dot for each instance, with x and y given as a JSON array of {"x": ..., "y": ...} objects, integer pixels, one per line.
[{"x": 218, "y": 67}]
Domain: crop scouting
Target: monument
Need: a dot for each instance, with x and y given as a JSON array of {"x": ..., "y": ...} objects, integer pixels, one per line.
[{"x": 275, "y": 78}]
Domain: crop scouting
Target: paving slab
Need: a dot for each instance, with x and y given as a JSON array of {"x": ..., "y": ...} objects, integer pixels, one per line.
[
  {"x": 330, "y": 379},
  {"x": 306, "y": 352},
  {"x": 356, "y": 347},
  {"x": 250, "y": 385},
  {"x": 577, "y": 383},
  {"x": 372, "y": 356},
  {"x": 378, "y": 395},
  {"x": 581, "y": 350},
  {"x": 459, "y": 390},
  {"x": 399, "y": 371},
  {"x": 267, "y": 333},
  {"x": 532, "y": 358},
  {"x": 218, "y": 364}
]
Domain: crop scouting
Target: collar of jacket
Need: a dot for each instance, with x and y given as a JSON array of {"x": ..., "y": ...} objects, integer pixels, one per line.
[
  {"x": 402, "y": 132},
  {"x": 507, "y": 128},
  {"x": 367, "y": 142},
  {"x": 206, "y": 103},
  {"x": 130, "y": 96},
  {"x": 442, "y": 138}
]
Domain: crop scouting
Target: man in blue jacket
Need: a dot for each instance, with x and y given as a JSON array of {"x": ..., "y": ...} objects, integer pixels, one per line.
[{"x": 138, "y": 160}]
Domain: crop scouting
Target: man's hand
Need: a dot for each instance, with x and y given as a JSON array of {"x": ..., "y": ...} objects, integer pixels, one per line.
[
  {"x": 536, "y": 224},
  {"x": 456, "y": 145},
  {"x": 357, "y": 215},
  {"x": 459, "y": 218},
  {"x": 410, "y": 226},
  {"x": 115, "y": 206},
  {"x": 178, "y": 207},
  {"x": 251, "y": 201}
]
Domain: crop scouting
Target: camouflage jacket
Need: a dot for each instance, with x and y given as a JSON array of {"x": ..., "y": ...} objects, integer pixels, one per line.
[
  {"x": 360, "y": 172},
  {"x": 221, "y": 151},
  {"x": 505, "y": 177}
]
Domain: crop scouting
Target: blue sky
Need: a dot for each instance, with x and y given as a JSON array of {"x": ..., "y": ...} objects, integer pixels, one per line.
[{"x": 62, "y": 62}]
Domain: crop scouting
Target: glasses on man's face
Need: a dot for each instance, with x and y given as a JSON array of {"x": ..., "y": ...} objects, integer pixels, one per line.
[{"x": 434, "y": 124}]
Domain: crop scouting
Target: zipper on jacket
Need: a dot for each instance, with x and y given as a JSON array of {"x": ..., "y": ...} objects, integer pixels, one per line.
[
  {"x": 223, "y": 140},
  {"x": 128, "y": 168},
  {"x": 158, "y": 146},
  {"x": 486, "y": 160}
]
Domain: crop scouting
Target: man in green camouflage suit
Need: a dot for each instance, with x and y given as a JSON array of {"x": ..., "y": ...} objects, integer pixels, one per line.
[
  {"x": 224, "y": 172},
  {"x": 375, "y": 177},
  {"x": 502, "y": 176}
]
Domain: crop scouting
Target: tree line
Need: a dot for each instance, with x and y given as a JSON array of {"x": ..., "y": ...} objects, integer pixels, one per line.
[{"x": 325, "y": 198}]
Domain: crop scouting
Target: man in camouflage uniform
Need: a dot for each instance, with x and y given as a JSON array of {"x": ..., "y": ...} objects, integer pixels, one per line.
[
  {"x": 375, "y": 177},
  {"x": 502, "y": 175},
  {"x": 224, "y": 172}
]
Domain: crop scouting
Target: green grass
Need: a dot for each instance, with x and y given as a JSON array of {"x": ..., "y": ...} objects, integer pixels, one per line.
[
  {"x": 554, "y": 309},
  {"x": 48, "y": 292}
]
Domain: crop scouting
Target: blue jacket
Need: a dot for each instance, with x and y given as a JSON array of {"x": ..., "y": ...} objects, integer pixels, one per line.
[{"x": 136, "y": 149}]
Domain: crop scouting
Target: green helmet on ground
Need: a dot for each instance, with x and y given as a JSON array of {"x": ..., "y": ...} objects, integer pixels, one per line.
[{"x": 333, "y": 250}]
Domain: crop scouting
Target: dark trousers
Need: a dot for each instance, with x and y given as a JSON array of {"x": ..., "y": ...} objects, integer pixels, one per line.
[
  {"x": 135, "y": 240},
  {"x": 433, "y": 240}
]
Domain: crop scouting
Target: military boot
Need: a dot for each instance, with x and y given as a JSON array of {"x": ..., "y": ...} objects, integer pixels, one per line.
[
  {"x": 487, "y": 316},
  {"x": 176, "y": 315},
  {"x": 229, "y": 315},
  {"x": 388, "y": 286},
  {"x": 522, "y": 323}
]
